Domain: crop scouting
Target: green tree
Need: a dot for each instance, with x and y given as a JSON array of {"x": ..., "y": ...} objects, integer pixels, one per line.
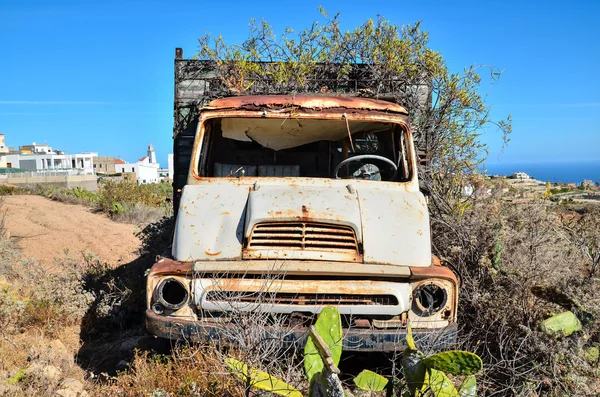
[{"x": 377, "y": 58}]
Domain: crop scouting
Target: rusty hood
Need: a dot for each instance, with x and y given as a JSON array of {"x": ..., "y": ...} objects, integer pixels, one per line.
[{"x": 390, "y": 223}]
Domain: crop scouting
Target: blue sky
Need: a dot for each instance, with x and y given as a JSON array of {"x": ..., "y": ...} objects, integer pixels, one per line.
[{"x": 98, "y": 75}]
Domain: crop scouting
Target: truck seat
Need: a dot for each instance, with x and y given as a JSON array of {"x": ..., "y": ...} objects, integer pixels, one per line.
[
  {"x": 279, "y": 170},
  {"x": 225, "y": 170}
]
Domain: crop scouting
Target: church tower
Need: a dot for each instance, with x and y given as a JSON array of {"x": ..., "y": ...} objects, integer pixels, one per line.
[{"x": 151, "y": 154}]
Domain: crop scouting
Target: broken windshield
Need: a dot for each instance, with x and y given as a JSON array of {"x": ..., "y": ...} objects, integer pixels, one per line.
[{"x": 292, "y": 147}]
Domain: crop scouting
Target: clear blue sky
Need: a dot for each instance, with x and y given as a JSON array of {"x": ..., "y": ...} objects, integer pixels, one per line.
[{"x": 98, "y": 76}]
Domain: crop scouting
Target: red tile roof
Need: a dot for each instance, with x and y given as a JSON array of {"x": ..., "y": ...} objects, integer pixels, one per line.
[{"x": 119, "y": 161}]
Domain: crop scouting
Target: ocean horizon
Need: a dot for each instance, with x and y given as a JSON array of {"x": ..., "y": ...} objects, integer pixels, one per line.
[{"x": 555, "y": 172}]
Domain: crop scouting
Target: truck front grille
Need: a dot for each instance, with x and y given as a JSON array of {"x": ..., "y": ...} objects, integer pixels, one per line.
[
  {"x": 303, "y": 236},
  {"x": 281, "y": 298}
]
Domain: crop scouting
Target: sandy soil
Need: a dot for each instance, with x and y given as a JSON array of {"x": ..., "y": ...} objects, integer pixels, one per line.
[{"x": 45, "y": 230}]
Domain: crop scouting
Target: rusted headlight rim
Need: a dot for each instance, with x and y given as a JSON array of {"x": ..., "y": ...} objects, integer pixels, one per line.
[
  {"x": 172, "y": 282},
  {"x": 419, "y": 309}
]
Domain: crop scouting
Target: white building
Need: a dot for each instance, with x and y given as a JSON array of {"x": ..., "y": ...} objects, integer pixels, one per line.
[
  {"x": 3, "y": 152},
  {"x": 146, "y": 169},
  {"x": 520, "y": 175},
  {"x": 35, "y": 148},
  {"x": 151, "y": 154},
  {"x": 82, "y": 162}
]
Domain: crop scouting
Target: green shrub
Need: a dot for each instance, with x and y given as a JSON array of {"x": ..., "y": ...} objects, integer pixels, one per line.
[
  {"x": 123, "y": 201},
  {"x": 114, "y": 197},
  {"x": 7, "y": 190}
]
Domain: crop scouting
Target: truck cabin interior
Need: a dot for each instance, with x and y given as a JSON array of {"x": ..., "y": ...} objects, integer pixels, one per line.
[{"x": 271, "y": 147}]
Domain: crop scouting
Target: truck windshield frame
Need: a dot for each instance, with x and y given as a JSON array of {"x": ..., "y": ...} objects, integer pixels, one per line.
[{"x": 247, "y": 144}]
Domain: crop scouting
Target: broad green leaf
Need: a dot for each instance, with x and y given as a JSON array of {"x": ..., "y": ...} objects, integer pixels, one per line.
[
  {"x": 456, "y": 362},
  {"x": 439, "y": 384},
  {"x": 260, "y": 379},
  {"x": 369, "y": 380},
  {"x": 410, "y": 342},
  {"x": 563, "y": 324},
  {"x": 469, "y": 387},
  {"x": 329, "y": 327}
]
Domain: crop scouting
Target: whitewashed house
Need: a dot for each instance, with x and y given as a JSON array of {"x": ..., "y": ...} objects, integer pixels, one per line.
[
  {"x": 145, "y": 170},
  {"x": 37, "y": 158},
  {"x": 520, "y": 175},
  {"x": 3, "y": 152}
]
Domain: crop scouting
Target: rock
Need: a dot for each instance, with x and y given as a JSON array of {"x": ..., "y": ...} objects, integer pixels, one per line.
[
  {"x": 66, "y": 393},
  {"x": 51, "y": 372},
  {"x": 71, "y": 384},
  {"x": 57, "y": 346},
  {"x": 59, "y": 350},
  {"x": 48, "y": 372},
  {"x": 563, "y": 324},
  {"x": 71, "y": 387}
]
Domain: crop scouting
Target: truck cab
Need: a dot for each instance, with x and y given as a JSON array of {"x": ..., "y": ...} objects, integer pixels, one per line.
[{"x": 294, "y": 203}]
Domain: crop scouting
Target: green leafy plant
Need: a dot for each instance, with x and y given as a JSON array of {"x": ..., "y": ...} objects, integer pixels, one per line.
[
  {"x": 424, "y": 375},
  {"x": 259, "y": 379},
  {"x": 329, "y": 328},
  {"x": 428, "y": 374},
  {"x": 370, "y": 381}
]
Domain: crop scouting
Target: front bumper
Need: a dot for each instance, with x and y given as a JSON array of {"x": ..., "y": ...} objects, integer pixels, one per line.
[{"x": 355, "y": 339}]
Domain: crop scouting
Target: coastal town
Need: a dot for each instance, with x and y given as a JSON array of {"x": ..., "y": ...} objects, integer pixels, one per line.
[
  {"x": 520, "y": 186},
  {"x": 41, "y": 164}
]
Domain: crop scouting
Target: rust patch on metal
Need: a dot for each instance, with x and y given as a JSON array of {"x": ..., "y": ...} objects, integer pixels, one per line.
[
  {"x": 299, "y": 267},
  {"x": 305, "y": 215},
  {"x": 433, "y": 271},
  {"x": 255, "y": 102},
  {"x": 169, "y": 266},
  {"x": 348, "y": 287},
  {"x": 212, "y": 254}
]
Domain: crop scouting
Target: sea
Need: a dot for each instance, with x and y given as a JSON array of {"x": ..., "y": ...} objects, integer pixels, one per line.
[{"x": 555, "y": 172}]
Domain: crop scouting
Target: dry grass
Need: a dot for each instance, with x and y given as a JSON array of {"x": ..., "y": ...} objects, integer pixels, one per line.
[
  {"x": 38, "y": 312},
  {"x": 181, "y": 373},
  {"x": 139, "y": 214},
  {"x": 501, "y": 252}
]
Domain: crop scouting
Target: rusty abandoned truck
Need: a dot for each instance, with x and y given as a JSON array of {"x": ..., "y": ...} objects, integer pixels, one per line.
[{"x": 318, "y": 194}]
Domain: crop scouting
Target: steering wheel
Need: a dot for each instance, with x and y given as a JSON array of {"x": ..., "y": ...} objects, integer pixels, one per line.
[{"x": 367, "y": 157}]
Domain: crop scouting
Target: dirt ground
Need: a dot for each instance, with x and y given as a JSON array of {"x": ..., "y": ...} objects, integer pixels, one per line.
[{"x": 46, "y": 230}]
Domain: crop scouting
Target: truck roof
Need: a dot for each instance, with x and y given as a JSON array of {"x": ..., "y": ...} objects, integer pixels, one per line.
[{"x": 255, "y": 102}]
